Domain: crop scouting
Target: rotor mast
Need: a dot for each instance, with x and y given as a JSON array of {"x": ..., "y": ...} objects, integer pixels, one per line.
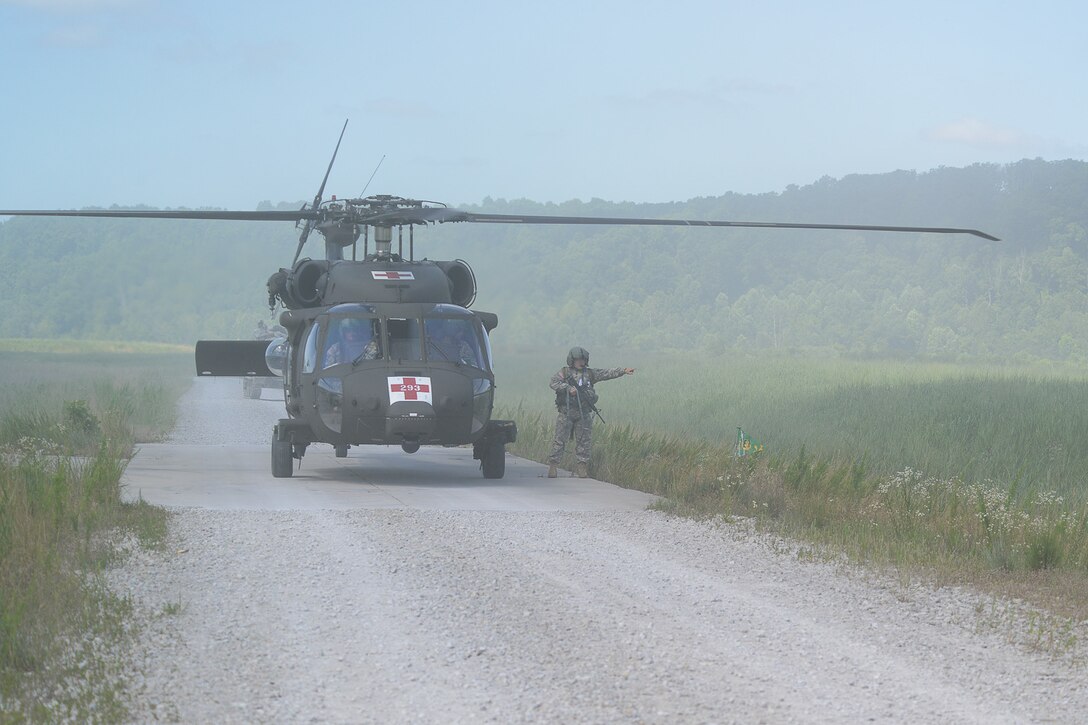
[{"x": 383, "y": 242}]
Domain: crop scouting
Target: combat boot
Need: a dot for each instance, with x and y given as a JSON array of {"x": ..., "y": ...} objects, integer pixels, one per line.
[
  {"x": 583, "y": 470},
  {"x": 552, "y": 471}
]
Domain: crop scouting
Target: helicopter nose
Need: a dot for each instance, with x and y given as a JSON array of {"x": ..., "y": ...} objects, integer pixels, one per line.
[{"x": 410, "y": 419}]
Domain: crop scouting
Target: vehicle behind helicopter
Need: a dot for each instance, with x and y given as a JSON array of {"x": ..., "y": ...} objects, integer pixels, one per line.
[{"x": 253, "y": 385}]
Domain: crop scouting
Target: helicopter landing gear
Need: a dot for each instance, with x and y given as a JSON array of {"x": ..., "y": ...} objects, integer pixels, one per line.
[
  {"x": 341, "y": 450},
  {"x": 490, "y": 449},
  {"x": 493, "y": 460},
  {"x": 283, "y": 463},
  {"x": 290, "y": 439}
]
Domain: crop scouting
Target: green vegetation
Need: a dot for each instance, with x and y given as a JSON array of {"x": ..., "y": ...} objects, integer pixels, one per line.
[
  {"x": 53, "y": 392},
  {"x": 1022, "y": 426},
  {"x": 67, "y": 425},
  {"x": 959, "y": 473}
]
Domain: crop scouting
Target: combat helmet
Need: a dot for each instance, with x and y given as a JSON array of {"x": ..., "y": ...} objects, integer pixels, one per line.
[{"x": 577, "y": 353}]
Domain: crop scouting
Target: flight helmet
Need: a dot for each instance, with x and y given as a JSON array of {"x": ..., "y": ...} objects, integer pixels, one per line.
[{"x": 576, "y": 353}]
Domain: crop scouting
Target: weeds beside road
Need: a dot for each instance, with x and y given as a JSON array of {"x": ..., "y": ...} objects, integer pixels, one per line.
[{"x": 67, "y": 426}]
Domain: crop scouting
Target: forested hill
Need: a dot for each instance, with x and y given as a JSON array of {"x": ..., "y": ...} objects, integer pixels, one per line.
[{"x": 637, "y": 288}]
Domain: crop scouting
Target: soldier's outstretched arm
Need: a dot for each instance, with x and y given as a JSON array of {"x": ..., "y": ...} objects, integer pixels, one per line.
[{"x": 600, "y": 374}]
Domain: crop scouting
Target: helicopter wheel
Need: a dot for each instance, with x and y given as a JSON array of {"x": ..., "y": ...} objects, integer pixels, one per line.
[
  {"x": 493, "y": 461},
  {"x": 341, "y": 450},
  {"x": 283, "y": 464}
]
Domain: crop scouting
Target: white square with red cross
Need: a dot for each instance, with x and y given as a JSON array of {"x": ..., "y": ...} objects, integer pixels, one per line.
[{"x": 409, "y": 388}]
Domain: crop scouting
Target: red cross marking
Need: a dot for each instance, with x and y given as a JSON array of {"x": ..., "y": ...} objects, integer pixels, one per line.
[{"x": 410, "y": 388}]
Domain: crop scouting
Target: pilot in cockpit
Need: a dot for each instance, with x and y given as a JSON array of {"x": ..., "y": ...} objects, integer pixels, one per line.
[{"x": 358, "y": 341}]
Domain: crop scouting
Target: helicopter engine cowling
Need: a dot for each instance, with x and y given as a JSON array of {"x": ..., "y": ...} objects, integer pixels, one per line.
[
  {"x": 388, "y": 281},
  {"x": 462, "y": 282},
  {"x": 301, "y": 287},
  {"x": 323, "y": 283},
  {"x": 305, "y": 285}
]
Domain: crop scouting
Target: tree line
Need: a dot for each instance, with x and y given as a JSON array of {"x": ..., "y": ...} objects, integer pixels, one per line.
[{"x": 708, "y": 290}]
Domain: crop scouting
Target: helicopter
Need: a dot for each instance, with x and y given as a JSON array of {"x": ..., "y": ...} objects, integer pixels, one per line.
[{"x": 385, "y": 349}]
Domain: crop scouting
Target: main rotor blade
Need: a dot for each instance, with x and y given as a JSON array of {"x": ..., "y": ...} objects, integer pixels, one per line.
[
  {"x": 321, "y": 189},
  {"x": 320, "y": 192},
  {"x": 426, "y": 215},
  {"x": 458, "y": 216},
  {"x": 249, "y": 216}
]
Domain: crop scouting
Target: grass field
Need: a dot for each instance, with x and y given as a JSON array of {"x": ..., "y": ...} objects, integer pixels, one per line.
[
  {"x": 67, "y": 425},
  {"x": 1017, "y": 427}
]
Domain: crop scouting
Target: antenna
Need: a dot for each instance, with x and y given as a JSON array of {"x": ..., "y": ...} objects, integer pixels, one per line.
[{"x": 372, "y": 176}]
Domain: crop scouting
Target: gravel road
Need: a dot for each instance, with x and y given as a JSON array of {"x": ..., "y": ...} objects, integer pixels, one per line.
[{"x": 410, "y": 615}]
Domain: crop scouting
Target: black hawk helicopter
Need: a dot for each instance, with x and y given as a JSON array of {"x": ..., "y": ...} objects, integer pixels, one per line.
[{"x": 384, "y": 350}]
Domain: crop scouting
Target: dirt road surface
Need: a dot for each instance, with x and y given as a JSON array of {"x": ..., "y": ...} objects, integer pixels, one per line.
[{"x": 397, "y": 588}]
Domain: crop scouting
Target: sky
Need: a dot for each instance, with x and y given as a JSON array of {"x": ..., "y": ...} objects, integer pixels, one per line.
[{"x": 228, "y": 104}]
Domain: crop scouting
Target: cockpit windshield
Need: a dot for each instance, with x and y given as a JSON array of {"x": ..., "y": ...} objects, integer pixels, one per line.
[
  {"x": 404, "y": 338},
  {"x": 357, "y": 333},
  {"x": 352, "y": 340},
  {"x": 455, "y": 340}
]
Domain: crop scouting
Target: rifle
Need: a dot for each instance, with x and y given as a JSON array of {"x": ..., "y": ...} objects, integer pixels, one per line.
[
  {"x": 591, "y": 406},
  {"x": 582, "y": 404}
]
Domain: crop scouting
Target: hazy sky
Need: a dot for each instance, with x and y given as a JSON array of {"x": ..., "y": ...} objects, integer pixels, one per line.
[{"x": 226, "y": 104}]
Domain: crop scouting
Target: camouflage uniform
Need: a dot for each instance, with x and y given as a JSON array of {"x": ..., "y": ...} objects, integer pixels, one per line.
[
  {"x": 358, "y": 340},
  {"x": 370, "y": 351},
  {"x": 575, "y": 417}
]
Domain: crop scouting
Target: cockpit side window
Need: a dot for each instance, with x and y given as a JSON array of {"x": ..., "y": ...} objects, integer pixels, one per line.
[
  {"x": 309, "y": 352},
  {"x": 488, "y": 358}
]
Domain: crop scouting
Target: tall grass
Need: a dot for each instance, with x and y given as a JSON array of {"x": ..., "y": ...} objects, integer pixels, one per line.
[
  {"x": 55, "y": 396},
  {"x": 1018, "y": 427},
  {"x": 67, "y": 425}
]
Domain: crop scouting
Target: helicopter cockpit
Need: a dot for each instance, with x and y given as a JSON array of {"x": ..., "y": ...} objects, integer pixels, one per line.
[
  {"x": 359, "y": 333},
  {"x": 359, "y": 355}
]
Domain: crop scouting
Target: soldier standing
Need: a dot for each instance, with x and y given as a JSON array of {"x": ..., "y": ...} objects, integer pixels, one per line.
[{"x": 576, "y": 401}]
